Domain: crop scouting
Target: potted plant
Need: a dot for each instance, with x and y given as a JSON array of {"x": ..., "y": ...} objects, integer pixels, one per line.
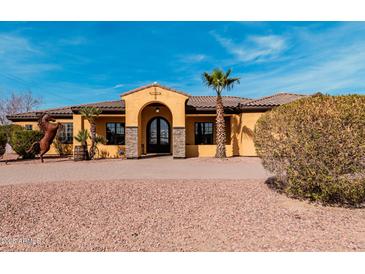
[{"x": 81, "y": 152}]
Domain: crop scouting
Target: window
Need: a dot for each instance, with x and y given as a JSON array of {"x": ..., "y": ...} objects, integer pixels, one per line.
[
  {"x": 203, "y": 133},
  {"x": 66, "y": 134},
  {"x": 115, "y": 134},
  {"x": 28, "y": 127}
]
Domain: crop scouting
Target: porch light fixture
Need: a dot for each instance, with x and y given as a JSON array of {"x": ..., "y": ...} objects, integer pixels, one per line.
[{"x": 157, "y": 109}]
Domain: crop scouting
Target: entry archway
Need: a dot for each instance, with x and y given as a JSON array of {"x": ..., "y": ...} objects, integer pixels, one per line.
[
  {"x": 156, "y": 125},
  {"x": 137, "y": 102}
]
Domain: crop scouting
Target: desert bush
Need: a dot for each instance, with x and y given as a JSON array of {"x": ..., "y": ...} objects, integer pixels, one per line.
[
  {"x": 316, "y": 147},
  {"x": 5, "y": 133},
  {"x": 9, "y": 129},
  {"x": 21, "y": 141},
  {"x": 3, "y": 142},
  {"x": 61, "y": 148}
]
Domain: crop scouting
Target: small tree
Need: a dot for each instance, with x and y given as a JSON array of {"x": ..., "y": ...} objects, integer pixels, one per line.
[
  {"x": 16, "y": 103},
  {"x": 91, "y": 114},
  {"x": 220, "y": 80}
]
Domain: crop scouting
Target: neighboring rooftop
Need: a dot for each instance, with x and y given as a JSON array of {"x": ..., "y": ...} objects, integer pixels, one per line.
[
  {"x": 107, "y": 106},
  {"x": 274, "y": 100},
  {"x": 64, "y": 112},
  {"x": 209, "y": 102}
]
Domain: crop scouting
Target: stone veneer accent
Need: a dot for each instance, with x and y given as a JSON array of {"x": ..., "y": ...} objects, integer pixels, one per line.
[
  {"x": 178, "y": 134},
  {"x": 131, "y": 142}
]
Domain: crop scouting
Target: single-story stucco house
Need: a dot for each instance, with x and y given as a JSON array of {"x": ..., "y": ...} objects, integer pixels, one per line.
[{"x": 158, "y": 119}]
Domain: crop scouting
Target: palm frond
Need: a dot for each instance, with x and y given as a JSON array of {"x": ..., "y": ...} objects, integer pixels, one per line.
[
  {"x": 90, "y": 113},
  {"x": 219, "y": 80},
  {"x": 82, "y": 136},
  {"x": 99, "y": 139}
]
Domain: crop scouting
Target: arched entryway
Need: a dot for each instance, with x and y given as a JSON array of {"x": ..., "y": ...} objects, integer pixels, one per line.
[
  {"x": 158, "y": 135},
  {"x": 156, "y": 129},
  {"x": 142, "y": 105}
]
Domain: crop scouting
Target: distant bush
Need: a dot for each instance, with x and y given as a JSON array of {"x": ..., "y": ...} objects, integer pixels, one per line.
[
  {"x": 316, "y": 148},
  {"x": 61, "y": 148},
  {"x": 9, "y": 129},
  {"x": 3, "y": 142},
  {"x": 5, "y": 133},
  {"x": 21, "y": 141}
]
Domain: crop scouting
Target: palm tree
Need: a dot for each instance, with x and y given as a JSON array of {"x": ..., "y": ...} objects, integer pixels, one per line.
[
  {"x": 91, "y": 114},
  {"x": 220, "y": 80}
]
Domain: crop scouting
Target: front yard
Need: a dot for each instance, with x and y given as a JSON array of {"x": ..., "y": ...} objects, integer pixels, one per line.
[{"x": 170, "y": 215}]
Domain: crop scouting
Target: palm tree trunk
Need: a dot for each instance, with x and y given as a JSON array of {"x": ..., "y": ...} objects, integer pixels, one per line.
[
  {"x": 220, "y": 129},
  {"x": 93, "y": 136}
]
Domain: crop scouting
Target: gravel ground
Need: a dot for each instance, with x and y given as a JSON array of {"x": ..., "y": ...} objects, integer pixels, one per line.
[
  {"x": 63, "y": 169},
  {"x": 170, "y": 215}
]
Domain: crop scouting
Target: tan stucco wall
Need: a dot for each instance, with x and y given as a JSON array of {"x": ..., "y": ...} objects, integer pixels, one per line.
[
  {"x": 52, "y": 150},
  {"x": 239, "y": 135},
  {"x": 193, "y": 150},
  {"x": 246, "y": 126},
  {"x": 135, "y": 103},
  {"x": 106, "y": 151}
]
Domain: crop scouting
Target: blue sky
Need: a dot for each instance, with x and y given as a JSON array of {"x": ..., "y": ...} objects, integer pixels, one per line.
[{"x": 68, "y": 63}]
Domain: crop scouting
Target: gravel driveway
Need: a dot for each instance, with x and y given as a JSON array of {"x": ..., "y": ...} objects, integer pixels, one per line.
[
  {"x": 170, "y": 215},
  {"x": 114, "y": 169},
  {"x": 160, "y": 204}
]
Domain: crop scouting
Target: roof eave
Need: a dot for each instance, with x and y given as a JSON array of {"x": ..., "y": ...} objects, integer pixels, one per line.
[
  {"x": 32, "y": 118},
  {"x": 154, "y": 85}
]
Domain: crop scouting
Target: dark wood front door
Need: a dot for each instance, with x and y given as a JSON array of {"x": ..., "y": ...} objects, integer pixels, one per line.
[{"x": 158, "y": 136}]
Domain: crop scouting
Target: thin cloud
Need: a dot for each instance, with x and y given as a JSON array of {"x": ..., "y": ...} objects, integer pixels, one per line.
[
  {"x": 341, "y": 72},
  {"x": 20, "y": 57},
  {"x": 15, "y": 45},
  {"x": 119, "y": 86},
  {"x": 192, "y": 58},
  {"x": 254, "y": 48},
  {"x": 73, "y": 41}
]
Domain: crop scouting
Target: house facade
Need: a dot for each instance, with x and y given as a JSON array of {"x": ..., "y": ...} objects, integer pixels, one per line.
[{"x": 155, "y": 119}]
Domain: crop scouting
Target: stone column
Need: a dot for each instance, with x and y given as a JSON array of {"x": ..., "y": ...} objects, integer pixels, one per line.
[
  {"x": 178, "y": 134},
  {"x": 131, "y": 142}
]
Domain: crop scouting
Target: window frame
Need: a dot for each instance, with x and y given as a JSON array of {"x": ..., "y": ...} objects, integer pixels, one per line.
[
  {"x": 204, "y": 128},
  {"x": 68, "y": 141},
  {"x": 115, "y": 132},
  {"x": 28, "y": 125}
]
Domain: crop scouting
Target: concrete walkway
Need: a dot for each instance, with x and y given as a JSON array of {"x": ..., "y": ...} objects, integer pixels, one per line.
[{"x": 112, "y": 169}]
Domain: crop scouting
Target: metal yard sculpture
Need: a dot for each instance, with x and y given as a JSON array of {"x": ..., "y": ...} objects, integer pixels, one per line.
[{"x": 49, "y": 130}]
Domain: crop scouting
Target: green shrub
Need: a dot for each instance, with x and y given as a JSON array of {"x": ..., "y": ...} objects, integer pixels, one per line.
[
  {"x": 61, "y": 148},
  {"x": 5, "y": 133},
  {"x": 316, "y": 148},
  {"x": 9, "y": 129},
  {"x": 22, "y": 140},
  {"x": 3, "y": 141}
]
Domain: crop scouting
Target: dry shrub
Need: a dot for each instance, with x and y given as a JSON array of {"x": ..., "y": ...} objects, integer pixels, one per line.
[
  {"x": 22, "y": 140},
  {"x": 316, "y": 147},
  {"x": 61, "y": 148},
  {"x": 3, "y": 142}
]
